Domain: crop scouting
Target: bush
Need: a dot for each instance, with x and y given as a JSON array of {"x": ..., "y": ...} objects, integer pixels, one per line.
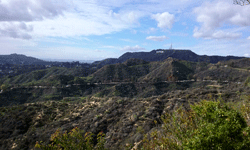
[
  {"x": 247, "y": 82},
  {"x": 73, "y": 141},
  {"x": 208, "y": 125}
]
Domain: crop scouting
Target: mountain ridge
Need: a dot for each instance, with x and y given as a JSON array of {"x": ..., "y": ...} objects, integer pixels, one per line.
[{"x": 162, "y": 54}]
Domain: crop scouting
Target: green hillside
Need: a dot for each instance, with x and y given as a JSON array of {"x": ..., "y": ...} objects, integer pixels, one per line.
[
  {"x": 45, "y": 76},
  {"x": 130, "y": 70}
]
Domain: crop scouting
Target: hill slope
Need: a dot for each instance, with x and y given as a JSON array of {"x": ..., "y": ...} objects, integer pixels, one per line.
[{"x": 172, "y": 70}]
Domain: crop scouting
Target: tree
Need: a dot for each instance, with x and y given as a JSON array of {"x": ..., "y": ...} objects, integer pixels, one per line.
[{"x": 242, "y": 2}]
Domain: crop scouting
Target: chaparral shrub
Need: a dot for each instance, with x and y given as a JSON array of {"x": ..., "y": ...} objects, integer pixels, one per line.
[
  {"x": 74, "y": 140},
  {"x": 247, "y": 82},
  {"x": 208, "y": 125}
]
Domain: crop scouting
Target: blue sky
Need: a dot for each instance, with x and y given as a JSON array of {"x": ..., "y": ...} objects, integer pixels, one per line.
[{"x": 99, "y": 29}]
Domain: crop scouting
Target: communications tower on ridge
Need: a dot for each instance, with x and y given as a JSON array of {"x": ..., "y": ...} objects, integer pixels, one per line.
[{"x": 171, "y": 46}]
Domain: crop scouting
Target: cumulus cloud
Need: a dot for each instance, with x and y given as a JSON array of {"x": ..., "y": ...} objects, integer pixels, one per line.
[
  {"x": 126, "y": 16},
  {"x": 77, "y": 18},
  {"x": 16, "y": 30},
  {"x": 217, "y": 14},
  {"x": 156, "y": 38},
  {"x": 220, "y": 34},
  {"x": 164, "y": 20},
  {"x": 15, "y": 14},
  {"x": 52, "y": 17},
  {"x": 132, "y": 48},
  {"x": 29, "y": 10}
]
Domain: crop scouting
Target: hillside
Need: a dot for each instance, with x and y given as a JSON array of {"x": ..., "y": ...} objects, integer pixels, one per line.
[
  {"x": 123, "y": 120},
  {"x": 133, "y": 78},
  {"x": 167, "y": 70},
  {"x": 123, "y": 100},
  {"x": 173, "y": 69},
  {"x": 162, "y": 54},
  {"x": 44, "y": 76},
  {"x": 129, "y": 70},
  {"x": 19, "y": 59}
]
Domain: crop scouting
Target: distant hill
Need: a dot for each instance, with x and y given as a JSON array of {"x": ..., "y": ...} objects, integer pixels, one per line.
[
  {"x": 129, "y": 70},
  {"x": 172, "y": 69},
  {"x": 162, "y": 54},
  {"x": 19, "y": 59},
  {"x": 140, "y": 70},
  {"x": 26, "y": 60}
]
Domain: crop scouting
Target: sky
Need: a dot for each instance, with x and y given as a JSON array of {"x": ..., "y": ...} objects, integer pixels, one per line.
[{"x": 99, "y": 29}]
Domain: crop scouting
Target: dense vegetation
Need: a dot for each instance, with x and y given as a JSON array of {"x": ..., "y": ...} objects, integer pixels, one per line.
[
  {"x": 130, "y": 104},
  {"x": 207, "y": 125}
]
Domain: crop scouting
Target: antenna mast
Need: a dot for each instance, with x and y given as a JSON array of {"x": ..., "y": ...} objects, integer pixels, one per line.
[{"x": 171, "y": 46}]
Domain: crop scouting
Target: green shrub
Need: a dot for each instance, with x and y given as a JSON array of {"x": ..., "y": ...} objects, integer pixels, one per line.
[
  {"x": 208, "y": 125},
  {"x": 73, "y": 141},
  {"x": 219, "y": 127},
  {"x": 247, "y": 82}
]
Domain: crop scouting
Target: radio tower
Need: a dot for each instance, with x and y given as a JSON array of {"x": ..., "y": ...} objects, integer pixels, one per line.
[{"x": 171, "y": 46}]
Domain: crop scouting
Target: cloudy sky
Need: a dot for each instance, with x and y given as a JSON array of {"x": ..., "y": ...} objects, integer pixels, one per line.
[{"x": 99, "y": 29}]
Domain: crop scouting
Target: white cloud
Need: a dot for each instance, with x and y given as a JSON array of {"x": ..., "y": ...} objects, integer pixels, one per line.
[
  {"x": 248, "y": 38},
  {"x": 15, "y": 14},
  {"x": 30, "y": 10},
  {"x": 247, "y": 55},
  {"x": 73, "y": 18},
  {"x": 215, "y": 15},
  {"x": 77, "y": 25},
  {"x": 156, "y": 38},
  {"x": 132, "y": 48},
  {"x": 150, "y": 30},
  {"x": 164, "y": 20},
  {"x": 15, "y": 30},
  {"x": 220, "y": 34},
  {"x": 58, "y": 18},
  {"x": 127, "y": 16},
  {"x": 128, "y": 40}
]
